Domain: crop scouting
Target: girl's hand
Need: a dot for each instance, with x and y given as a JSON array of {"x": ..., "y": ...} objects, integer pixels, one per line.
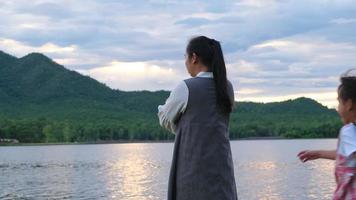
[{"x": 307, "y": 155}]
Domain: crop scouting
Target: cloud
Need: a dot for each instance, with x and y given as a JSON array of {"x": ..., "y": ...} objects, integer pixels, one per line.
[
  {"x": 272, "y": 47},
  {"x": 192, "y": 22},
  {"x": 70, "y": 56},
  {"x": 131, "y": 75},
  {"x": 292, "y": 67},
  {"x": 18, "y": 48},
  {"x": 302, "y": 57},
  {"x": 343, "y": 21}
]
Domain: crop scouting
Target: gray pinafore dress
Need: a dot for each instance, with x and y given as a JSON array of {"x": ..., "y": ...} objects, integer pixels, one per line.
[{"x": 202, "y": 167}]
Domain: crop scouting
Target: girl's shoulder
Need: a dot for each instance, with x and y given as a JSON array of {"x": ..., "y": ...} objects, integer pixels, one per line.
[
  {"x": 348, "y": 130},
  {"x": 347, "y": 143}
]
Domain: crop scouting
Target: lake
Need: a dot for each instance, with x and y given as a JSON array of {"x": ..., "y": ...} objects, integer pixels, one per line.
[{"x": 264, "y": 170}]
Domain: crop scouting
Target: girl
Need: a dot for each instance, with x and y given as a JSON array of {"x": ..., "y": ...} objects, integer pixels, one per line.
[
  {"x": 198, "y": 111},
  {"x": 345, "y": 154}
]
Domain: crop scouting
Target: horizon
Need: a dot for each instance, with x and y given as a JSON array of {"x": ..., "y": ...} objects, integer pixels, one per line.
[{"x": 274, "y": 50}]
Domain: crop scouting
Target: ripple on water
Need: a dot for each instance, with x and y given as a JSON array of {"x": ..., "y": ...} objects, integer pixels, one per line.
[
  {"x": 24, "y": 166},
  {"x": 141, "y": 171}
]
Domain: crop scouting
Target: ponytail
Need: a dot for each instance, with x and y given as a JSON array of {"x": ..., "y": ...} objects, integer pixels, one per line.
[{"x": 210, "y": 54}]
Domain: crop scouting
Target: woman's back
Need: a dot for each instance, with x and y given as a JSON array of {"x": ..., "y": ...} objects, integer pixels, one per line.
[
  {"x": 202, "y": 107},
  {"x": 198, "y": 111},
  {"x": 204, "y": 168}
]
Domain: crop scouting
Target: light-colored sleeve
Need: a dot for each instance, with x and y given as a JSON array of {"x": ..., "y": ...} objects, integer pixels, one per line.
[
  {"x": 175, "y": 105},
  {"x": 231, "y": 93},
  {"x": 347, "y": 143}
]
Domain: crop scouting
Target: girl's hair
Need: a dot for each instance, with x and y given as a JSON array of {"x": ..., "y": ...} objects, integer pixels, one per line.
[
  {"x": 210, "y": 54},
  {"x": 347, "y": 88}
]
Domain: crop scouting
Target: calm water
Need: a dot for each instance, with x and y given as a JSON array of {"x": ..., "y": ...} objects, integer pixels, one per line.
[{"x": 265, "y": 169}]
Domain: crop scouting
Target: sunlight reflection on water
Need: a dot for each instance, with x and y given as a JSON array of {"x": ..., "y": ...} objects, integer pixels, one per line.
[{"x": 264, "y": 170}]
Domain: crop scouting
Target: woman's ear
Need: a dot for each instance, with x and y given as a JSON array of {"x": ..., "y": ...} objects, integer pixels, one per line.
[{"x": 194, "y": 58}]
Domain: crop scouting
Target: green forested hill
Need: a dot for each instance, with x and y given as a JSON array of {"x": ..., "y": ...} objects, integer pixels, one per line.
[
  {"x": 42, "y": 101},
  {"x": 299, "y": 118}
]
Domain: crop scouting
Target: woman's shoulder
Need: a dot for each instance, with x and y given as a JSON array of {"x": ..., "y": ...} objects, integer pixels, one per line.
[
  {"x": 181, "y": 86},
  {"x": 198, "y": 80},
  {"x": 229, "y": 84}
]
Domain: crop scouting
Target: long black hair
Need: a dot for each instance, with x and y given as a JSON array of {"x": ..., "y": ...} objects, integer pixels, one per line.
[{"x": 210, "y": 54}]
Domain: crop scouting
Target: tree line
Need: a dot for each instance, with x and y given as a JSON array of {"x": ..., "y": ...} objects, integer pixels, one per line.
[{"x": 42, "y": 130}]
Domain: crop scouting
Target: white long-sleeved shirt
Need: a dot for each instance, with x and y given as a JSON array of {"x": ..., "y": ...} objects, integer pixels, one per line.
[{"x": 176, "y": 104}]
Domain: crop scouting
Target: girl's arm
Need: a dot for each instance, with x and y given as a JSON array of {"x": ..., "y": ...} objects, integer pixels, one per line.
[
  {"x": 307, "y": 155},
  {"x": 175, "y": 105}
]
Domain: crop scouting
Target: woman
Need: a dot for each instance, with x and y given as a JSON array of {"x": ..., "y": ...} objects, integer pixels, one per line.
[{"x": 198, "y": 111}]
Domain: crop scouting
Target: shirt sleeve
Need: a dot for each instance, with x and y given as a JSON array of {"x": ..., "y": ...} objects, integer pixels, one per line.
[
  {"x": 231, "y": 94},
  {"x": 175, "y": 105},
  {"x": 347, "y": 142}
]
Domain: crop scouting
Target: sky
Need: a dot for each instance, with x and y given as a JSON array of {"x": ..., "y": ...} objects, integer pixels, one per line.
[{"x": 274, "y": 49}]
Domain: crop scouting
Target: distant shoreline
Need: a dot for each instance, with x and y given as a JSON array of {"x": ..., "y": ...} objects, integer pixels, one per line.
[
  {"x": 146, "y": 141},
  {"x": 87, "y": 143}
]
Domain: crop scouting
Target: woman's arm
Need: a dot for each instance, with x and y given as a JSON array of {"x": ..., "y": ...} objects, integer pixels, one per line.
[
  {"x": 175, "y": 105},
  {"x": 307, "y": 155}
]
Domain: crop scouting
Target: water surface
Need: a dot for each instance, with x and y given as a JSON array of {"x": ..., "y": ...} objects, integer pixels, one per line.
[{"x": 264, "y": 170}]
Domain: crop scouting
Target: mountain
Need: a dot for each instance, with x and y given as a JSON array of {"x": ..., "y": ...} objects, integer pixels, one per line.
[
  {"x": 300, "y": 105},
  {"x": 42, "y": 101},
  {"x": 37, "y": 78},
  {"x": 298, "y": 118},
  {"x": 36, "y": 82}
]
